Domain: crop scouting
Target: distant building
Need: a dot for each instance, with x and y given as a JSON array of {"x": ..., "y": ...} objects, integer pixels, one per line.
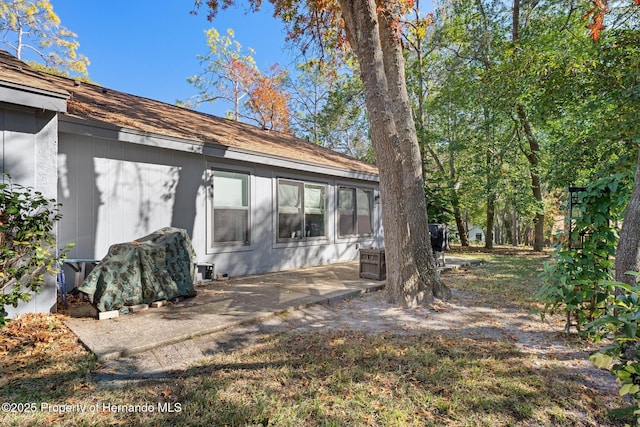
[{"x": 475, "y": 234}]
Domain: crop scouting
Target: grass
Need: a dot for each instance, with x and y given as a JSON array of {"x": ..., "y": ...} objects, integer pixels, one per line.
[
  {"x": 326, "y": 378},
  {"x": 509, "y": 277}
]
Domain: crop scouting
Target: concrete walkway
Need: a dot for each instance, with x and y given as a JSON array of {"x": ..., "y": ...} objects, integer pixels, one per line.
[{"x": 160, "y": 338}]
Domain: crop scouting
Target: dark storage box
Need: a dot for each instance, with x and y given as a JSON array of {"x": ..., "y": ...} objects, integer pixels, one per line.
[{"x": 373, "y": 264}]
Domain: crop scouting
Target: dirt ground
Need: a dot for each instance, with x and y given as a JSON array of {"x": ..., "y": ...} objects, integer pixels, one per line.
[
  {"x": 465, "y": 316},
  {"x": 461, "y": 317}
]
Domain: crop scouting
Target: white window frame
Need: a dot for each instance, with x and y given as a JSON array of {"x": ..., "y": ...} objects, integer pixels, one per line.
[
  {"x": 212, "y": 205},
  {"x": 303, "y": 210}
]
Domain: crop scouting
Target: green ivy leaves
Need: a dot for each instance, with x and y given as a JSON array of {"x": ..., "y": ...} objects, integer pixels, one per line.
[{"x": 578, "y": 282}]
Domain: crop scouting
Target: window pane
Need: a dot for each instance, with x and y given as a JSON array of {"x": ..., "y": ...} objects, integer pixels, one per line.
[
  {"x": 364, "y": 211},
  {"x": 289, "y": 210},
  {"x": 346, "y": 218},
  {"x": 314, "y": 199},
  {"x": 230, "y": 207},
  {"x": 345, "y": 199},
  {"x": 289, "y": 226},
  {"x": 230, "y": 189},
  {"x": 314, "y": 209},
  {"x": 230, "y": 225},
  {"x": 289, "y": 199}
]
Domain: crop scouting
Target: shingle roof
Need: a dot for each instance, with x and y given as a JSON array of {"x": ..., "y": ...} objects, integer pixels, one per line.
[
  {"x": 89, "y": 101},
  {"x": 12, "y": 70}
]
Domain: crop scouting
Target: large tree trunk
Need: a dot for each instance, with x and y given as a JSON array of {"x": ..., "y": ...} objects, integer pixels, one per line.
[
  {"x": 533, "y": 155},
  {"x": 412, "y": 277},
  {"x": 491, "y": 216},
  {"x": 455, "y": 201},
  {"x": 628, "y": 251}
]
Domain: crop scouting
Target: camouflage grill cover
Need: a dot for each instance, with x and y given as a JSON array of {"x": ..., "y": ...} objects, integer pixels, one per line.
[{"x": 156, "y": 267}]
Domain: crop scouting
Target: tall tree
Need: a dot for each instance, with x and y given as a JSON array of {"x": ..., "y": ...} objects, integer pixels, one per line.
[
  {"x": 230, "y": 75},
  {"x": 228, "y": 70},
  {"x": 342, "y": 122},
  {"x": 371, "y": 30},
  {"x": 415, "y": 38},
  {"x": 328, "y": 107},
  {"x": 533, "y": 149},
  {"x": 618, "y": 72},
  {"x": 520, "y": 53},
  {"x": 33, "y": 26},
  {"x": 268, "y": 99},
  {"x": 475, "y": 35},
  {"x": 309, "y": 93}
]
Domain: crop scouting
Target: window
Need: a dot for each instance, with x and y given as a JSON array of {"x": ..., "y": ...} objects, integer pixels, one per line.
[
  {"x": 230, "y": 207},
  {"x": 301, "y": 210},
  {"x": 314, "y": 212},
  {"x": 355, "y": 207}
]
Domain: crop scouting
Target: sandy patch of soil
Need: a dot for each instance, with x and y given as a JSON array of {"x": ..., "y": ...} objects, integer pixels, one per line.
[
  {"x": 465, "y": 316},
  {"x": 461, "y": 317}
]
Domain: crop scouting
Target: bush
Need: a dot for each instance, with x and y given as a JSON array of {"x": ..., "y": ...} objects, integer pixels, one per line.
[
  {"x": 622, "y": 357},
  {"x": 28, "y": 246},
  {"x": 578, "y": 280}
]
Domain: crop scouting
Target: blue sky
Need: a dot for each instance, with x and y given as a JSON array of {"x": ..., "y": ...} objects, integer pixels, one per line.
[{"x": 149, "y": 48}]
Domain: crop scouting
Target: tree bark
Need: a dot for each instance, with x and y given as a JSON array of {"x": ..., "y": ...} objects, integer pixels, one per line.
[
  {"x": 412, "y": 277},
  {"x": 628, "y": 250},
  {"x": 451, "y": 186},
  {"x": 533, "y": 156},
  {"x": 490, "y": 184},
  {"x": 460, "y": 224},
  {"x": 514, "y": 226},
  {"x": 455, "y": 200},
  {"x": 491, "y": 215}
]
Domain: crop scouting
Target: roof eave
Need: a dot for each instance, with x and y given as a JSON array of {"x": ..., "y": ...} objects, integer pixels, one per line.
[
  {"x": 75, "y": 125},
  {"x": 28, "y": 96}
]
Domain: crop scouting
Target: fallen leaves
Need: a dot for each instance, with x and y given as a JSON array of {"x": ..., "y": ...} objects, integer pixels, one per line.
[{"x": 35, "y": 345}]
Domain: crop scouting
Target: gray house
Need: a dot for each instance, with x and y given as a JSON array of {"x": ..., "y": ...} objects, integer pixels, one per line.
[{"x": 123, "y": 166}]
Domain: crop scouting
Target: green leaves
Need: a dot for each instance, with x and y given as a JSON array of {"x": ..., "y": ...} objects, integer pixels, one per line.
[
  {"x": 27, "y": 244},
  {"x": 578, "y": 282},
  {"x": 33, "y": 25},
  {"x": 622, "y": 357},
  {"x": 602, "y": 361}
]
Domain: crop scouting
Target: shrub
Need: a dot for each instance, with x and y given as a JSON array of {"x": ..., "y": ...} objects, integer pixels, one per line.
[
  {"x": 622, "y": 357},
  {"x": 28, "y": 246},
  {"x": 578, "y": 280}
]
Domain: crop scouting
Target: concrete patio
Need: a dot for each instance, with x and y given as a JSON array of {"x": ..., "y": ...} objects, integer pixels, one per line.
[{"x": 219, "y": 305}]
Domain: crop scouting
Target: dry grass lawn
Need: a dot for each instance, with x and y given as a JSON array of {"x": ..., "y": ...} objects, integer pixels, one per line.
[{"x": 461, "y": 373}]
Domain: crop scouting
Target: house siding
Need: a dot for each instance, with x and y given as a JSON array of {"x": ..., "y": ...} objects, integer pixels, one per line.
[
  {"x": 474, "y": 232},
  {"x": 113, "y": 192},
  {"x": 265, "y": 253},
  {"x": 124, "y": 166},
  {"x": 28, "y": 145}
]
